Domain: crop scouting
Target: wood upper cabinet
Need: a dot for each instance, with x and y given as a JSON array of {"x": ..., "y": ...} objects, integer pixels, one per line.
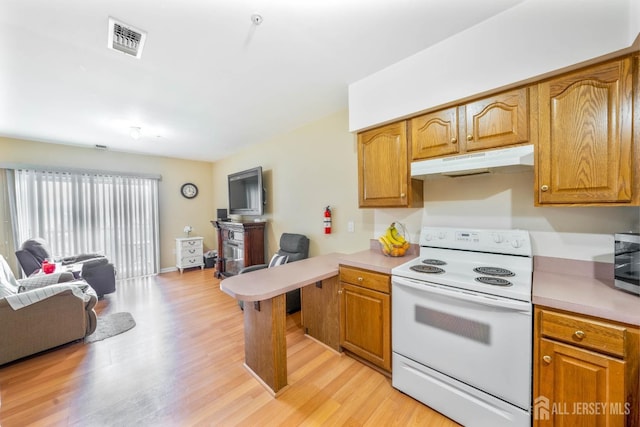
[
  {"x": 497, "y": 121},
  {"x": 491, "y": 122},
  {"x": 435, "y": 134},
  {"x": 586, "y": 152},
  {"x": 585, "y": 371},
  {"x": 365, "y": 315},
  {"x": 383, "y": 169}
]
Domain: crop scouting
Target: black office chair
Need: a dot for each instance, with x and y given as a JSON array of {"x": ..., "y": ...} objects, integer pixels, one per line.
[{"x": 293, "y": 247}]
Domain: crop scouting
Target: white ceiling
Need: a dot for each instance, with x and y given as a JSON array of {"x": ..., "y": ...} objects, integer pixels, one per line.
[{"x": 209, "y": 81}]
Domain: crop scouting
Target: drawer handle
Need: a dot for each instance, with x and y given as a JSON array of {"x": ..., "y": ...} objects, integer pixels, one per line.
[
  {"x": 546, "y": 359},
  {"x": 360, "y": 279},
  {"x": 579, "y": 335}
]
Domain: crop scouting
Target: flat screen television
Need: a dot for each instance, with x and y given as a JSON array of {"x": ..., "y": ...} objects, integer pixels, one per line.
[{"x": 246, "y": 193}]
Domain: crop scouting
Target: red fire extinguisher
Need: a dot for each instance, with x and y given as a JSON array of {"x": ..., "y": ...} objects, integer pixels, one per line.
[{"x": 327, "y": 220}]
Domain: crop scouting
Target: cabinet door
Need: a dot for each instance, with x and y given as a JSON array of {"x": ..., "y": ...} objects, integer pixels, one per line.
[
  {"x": 365, "y": 325},
  {"x": 585, "y": 141},
  {"x": 321, "y": 311},
  {"x": 435, "y": 134},
  {"x": 497, "y": 121},
  {"x": 578, "y": 387},
  {"x": 383, "y": 167}
]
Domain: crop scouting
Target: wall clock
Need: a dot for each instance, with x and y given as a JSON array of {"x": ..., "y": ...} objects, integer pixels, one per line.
[{"x": 189, "y": 190}]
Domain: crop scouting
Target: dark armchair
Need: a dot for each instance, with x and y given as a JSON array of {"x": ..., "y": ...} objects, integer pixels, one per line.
[
  {"x": 96, "y": 269},
  {"x": 294, "y": 247},
  {"x": 34, "y": 251},
  {"x": 100, "y": 274}
]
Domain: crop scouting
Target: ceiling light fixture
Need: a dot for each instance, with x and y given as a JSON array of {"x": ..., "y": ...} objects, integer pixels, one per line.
[
  {"x": 135, "y": 132},
  {"x": 256, "y": 19}
]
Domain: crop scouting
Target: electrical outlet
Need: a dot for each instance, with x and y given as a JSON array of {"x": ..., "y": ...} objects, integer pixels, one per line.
[{"x": 350, "y": 227}]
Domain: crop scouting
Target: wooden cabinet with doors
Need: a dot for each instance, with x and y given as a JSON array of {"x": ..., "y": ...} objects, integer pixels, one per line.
[
  {"x": 383, "y": 169},
  {"x": 585, "y": 371},
  {"x": 321, "y": 311},
  {"x": 240, "y": 244},
  {"x": 365, "y": 315},
  {"x": 491, "y": 122},
  {"x": 586, "y": 153}
]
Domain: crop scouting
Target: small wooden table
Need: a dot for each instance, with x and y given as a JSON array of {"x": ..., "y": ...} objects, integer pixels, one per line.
[{"x": 264, "y": 292}]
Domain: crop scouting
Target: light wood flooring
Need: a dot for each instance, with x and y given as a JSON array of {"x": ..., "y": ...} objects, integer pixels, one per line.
[{"x": 182, "y": 365}]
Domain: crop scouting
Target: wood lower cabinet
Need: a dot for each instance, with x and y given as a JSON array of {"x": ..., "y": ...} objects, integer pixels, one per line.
[
  {"x": 586, "y": 153},
  {"x": 383, "y": 169},
  {"x": 365, "y": 315},
  {"x": 496, "y": 121},
  {"x": 321, "y": 311},
  {"x": 585, "y": 371},
  {"x": 240, "y": 244}
]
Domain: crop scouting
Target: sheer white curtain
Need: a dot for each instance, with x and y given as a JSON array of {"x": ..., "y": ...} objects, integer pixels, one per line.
[{"x": 78, "y": 213}]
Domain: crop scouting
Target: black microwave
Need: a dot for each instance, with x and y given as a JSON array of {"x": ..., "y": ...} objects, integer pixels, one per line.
[{"x": 627, "y": 262}]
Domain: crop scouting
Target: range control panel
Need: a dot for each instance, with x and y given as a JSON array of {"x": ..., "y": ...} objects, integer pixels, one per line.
[{"x": 501, "y": 241}]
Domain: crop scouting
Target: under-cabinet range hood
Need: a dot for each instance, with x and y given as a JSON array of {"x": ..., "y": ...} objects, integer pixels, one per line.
[{"x": 507, "y": 159}]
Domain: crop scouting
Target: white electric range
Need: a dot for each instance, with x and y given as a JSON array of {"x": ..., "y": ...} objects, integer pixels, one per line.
[{"x": 462, "y": 325}]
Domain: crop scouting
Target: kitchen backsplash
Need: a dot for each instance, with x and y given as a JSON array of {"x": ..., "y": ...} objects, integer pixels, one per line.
[{"x": 506, "y": 201}]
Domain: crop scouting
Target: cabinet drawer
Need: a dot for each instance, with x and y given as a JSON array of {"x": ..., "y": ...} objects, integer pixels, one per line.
[
  {"x": 365, "y": 278},
  {"x": 591, "y": 334},
  {"x": 188, "y": 261},
  {"x": 196, "y": 243},
  {"x": 187, "y": 252}
]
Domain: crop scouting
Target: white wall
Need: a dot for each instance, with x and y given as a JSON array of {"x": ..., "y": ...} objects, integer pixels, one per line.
[
  {"x": 532, "y": 38},
  {"x": 506, "y": 201},
  {"x": 175, "y": 210},
  {"x": 304, "y": 171}
]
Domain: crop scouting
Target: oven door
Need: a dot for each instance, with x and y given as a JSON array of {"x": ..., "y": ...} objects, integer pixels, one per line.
[{"x": 480, "y": 340}]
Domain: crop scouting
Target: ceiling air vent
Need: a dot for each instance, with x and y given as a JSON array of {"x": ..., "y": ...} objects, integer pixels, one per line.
[{"x": 125, "y": 38}]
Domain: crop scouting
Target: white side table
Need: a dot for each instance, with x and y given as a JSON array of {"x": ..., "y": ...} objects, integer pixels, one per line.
[{"x": 189, "y": 253}]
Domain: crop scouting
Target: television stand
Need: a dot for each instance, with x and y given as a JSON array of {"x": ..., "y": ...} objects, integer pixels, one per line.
[{"x": 240, "y": 244}]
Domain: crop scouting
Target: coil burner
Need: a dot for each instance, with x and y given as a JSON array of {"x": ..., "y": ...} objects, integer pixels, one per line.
[
  {"x": 494, "y": 281},
  {"x": 494, "y": 271},
  {"x": 426, "y": 269},
  {"x": 431, "y": 261}
]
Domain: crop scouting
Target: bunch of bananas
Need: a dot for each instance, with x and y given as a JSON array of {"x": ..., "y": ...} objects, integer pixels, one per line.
[{"x": 392, "y": 242}]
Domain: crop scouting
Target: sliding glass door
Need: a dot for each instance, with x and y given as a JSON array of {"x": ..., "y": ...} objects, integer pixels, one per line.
[{"x": 82, "y": 212}]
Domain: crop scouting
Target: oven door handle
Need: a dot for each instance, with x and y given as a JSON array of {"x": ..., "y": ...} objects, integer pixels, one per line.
[{"x": 498, "y": 302}]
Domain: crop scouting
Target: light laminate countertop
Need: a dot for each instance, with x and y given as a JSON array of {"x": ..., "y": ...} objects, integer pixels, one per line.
[
  {"x": 588, "y": 289},
  {"x": 267, "y": 283},
  {"x": 375, "y": 260}
]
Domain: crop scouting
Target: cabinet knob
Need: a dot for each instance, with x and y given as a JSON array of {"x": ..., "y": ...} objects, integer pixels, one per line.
[
  {"x": 360, "y": 279},
  {"x": 403, "y": 195},
  {"x": 454, "y": 140},
  {"x": 469, "y": 137},
  {"x": 546, "y": 359},
  {"x": 544, "y": 187},
  {"x": 579, "y": 335}
]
